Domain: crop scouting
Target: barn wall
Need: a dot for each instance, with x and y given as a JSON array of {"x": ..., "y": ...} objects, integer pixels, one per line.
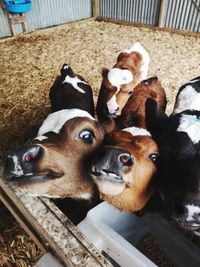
[
  {"x": 178, "y": 14},
  {"x": 48, "y": 13}
]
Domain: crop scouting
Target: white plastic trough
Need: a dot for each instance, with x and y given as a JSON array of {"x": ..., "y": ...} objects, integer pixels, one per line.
[{"x": 117, "y": 233}]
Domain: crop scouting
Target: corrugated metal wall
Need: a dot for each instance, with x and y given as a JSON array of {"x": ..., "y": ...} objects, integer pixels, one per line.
[
  {"x": 139, "y": 11},
  {"x": 179, "y": 14},
  {"x": 45, "y": 13}
]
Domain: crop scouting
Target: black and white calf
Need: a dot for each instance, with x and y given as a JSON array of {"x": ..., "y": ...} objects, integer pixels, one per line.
[
  {"x": 71, "y": 90},
  {"x": 179, "y": 181}
]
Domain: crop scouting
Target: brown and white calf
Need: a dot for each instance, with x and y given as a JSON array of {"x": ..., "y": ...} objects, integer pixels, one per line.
[
  {"x": 57, "y": 163},
  {"x": 119, "y": 82},
  {"x": 136, "y": 109},
  {"x": 125, "y": 168}
]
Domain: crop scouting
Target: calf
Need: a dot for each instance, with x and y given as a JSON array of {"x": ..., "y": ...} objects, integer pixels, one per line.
[
  {"x": 57, "y": 162},
  {"x": 135, "y": 110},
  {"x": 125, "y": 168},
  {"x": 179, "y": 182},
  {"x": 118, "y": 83},
  {"x": 71, "y": 90}
]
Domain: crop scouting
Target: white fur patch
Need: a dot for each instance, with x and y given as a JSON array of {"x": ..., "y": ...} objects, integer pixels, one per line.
[
  {"x": 109, "y": 188},
  {"x": 192, "y": 211},
  {"x": 85, "y": 196},
  {"x": 112, "y": 105},
  {"x": 119, "y": 77},
  {"x": 17, "y": 167},
  {"x": 137, "y": 47},
  {"x": 190, "y": 125},
  {"x": 55, "y": 121},
  {"x": 74, "y": 82},
  {"x": 188, "y": 98},
  {"x": 40, "y": 138},
  {"x": 137, "y": 131}
]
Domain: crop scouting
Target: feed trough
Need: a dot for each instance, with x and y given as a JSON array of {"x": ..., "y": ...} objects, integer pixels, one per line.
[{"x": 18, "y": 6}]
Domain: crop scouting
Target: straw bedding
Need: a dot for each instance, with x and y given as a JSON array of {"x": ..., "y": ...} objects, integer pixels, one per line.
[{"x": 29, "y": 64}]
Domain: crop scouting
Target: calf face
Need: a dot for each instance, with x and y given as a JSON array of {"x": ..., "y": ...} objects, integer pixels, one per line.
[
  {"x": 135, "y": 110},
  {"x": 71, "y": 91},
  {"x": 57, "y": 163},
  {"x": 125, "y": 167},
  {"x": 119, "y": 82}
]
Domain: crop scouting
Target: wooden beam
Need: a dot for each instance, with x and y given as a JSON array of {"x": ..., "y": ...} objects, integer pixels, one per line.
[
  {"x": 21, "y": 219},
  {"x": 161, "y": 13},
  {"x": 95, "y": 8}
]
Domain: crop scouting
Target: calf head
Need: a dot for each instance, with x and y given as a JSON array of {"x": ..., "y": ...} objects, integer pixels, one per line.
[
  {"x": 119, "y": 82},
  {"x": 71, "y": 91},
  {"x": 57, "y": 163},
  {"x": 136, "y": 111},
  {"x": 125, "y": 167}
]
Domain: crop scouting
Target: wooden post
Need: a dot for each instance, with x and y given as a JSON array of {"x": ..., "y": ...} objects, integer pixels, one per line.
[
  {"x": 161, "y": 13},
  {"x": 16, "y": 19},
  {"x": 95, "y": 8}
]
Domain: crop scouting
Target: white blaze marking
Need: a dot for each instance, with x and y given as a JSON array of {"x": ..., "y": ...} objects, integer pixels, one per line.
[
  {"x": 119, "y": 77},
  {"x": 192, "y": 210},
  {"x": 55, "y": 121},
  {"x": 190, "y": 125},
  {"x": 188, "y": 98},
  {"x": 137, "y": 131},
  {"x": 74, "y": 82},
  {"x": 112, "y": 105},
  {"x": 17, "y": 167},
  {"x": 136, "y": 47},
  {"x": 66, "y": 67}
]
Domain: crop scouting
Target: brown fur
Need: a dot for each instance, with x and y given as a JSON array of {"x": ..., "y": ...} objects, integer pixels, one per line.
[
  {"x": 135, "y": 106},
  {"x": 67, "y": 157},
  {"x": 138, "y": 177}
]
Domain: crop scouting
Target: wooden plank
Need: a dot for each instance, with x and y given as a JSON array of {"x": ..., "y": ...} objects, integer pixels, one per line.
[
  {"x": 21, "y": 219},
  {"x": 139, "y": 25},
  {"x": 64, "y": 239}
]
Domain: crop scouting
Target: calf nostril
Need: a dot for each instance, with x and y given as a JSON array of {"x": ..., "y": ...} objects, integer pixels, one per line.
[
  {"x": 125, "y": 159},
  {"x": 31, "y": 154}
]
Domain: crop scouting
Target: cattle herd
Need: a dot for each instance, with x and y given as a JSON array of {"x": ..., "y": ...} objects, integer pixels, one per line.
[{"x": 133, "y": 155}]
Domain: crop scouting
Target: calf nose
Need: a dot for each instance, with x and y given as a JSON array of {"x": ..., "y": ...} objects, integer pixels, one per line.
[
  {"x": 112, "y": 160},
  {"x": 21, "y": 162}
]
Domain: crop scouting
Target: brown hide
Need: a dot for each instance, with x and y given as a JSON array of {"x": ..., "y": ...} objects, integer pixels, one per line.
[
  {"x": 130, "y": 61},
  {"x": 138, "y": 178},
  {"x": 134, "y": 110}
]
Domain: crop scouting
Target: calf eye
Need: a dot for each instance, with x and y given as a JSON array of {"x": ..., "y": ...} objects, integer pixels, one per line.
[
  {"x": 154, "y": 157},
  {"x": 87, "y": 136}
]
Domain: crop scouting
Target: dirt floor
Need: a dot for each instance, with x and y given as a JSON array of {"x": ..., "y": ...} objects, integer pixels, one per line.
[{"x": 29, "y": 64}]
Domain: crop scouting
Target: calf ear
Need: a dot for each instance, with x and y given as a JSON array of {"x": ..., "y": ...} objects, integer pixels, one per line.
[
  {"x": 108, "y": 126},
  {"x": 156, "y": 118},
  {"x": 104, "y": 73}
]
